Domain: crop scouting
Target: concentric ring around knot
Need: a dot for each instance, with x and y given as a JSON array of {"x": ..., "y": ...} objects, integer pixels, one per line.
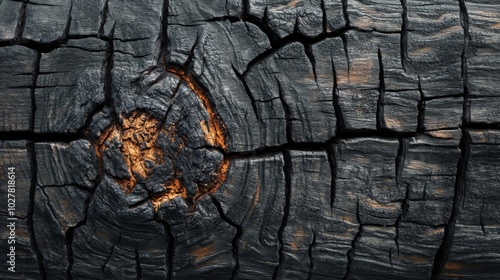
[{"x": 172, "y": 150}]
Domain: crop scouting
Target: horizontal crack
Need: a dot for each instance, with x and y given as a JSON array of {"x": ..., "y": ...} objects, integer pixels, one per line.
[
  {"x": 320, "y": 146},
  {"x": 41, "y": 137}
]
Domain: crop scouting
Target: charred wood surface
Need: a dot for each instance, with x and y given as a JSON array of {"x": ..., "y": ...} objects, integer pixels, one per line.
[{"x": 322, "y": 139}]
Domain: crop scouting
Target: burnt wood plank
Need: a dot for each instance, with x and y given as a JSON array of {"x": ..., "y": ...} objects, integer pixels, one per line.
[{"x": 229, "y": 139}]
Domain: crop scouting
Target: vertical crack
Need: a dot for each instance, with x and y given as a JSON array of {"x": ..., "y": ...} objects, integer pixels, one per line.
[
  {"x": 296, "y": 29},
  {"x": 163, "y": 36},
  {"x": 30, "y": 227},
  {"x": 70, "y": 231},
  {"x": 404, "y": 34},
  {"x": 288, "y": 114},
  {"x": 170, "y": 105},
  {"x": 245, "y": 11},
  {"x": 104, "y": 17},
  {"x": 48, "y": 205},
  {"x": 312, "y": 60},
  {"x": 354, "y": 244},
  {"x": 227, "y": 9},
  {"x": 332, "y": 160},
  {"x": 481, "y": 218},
  {"x": 345, "y": 13},
  {"x": 108, "y": 77},
  {"x": 68, "y": 237},
  {"x": 311, "y": 257},
  {"x": 266, "y": 28},
  {"x": 444, "y": 250},
  {"x": 138, "y": 269},
  {"x": 287, "y": 169},
  {"x": 106, "y": 74},
  {"x": 324, "y": 17},
  {"x": 68, "y": 23},
  {"x": 390, "y": 256},
  {"x": 400, "y": 158},
  {"x": 21, "y": 21},
  {"x": 103, "y": 267},
  {"x": 381, "y": 98},
  {"x": 443, "y": 253},
  {"x": 248, "y": 92},
  {"x": 170, "y": 245},
  {"x": 402, "y": 217},
  {"x": 190, "y": 57},
  {"x": 336, "y": 101},
  {"x": 464, "y": 19},
  {"x": 170, "y": 249},
  {"x": 424, "y": 196},
  {"x": 236, "y": 238},
  {"x": 346, "y": 52},
  {"x": 36, "y": 73},
  {"x": 421, "y": 108},
  {"x": 400, "y": 161}
]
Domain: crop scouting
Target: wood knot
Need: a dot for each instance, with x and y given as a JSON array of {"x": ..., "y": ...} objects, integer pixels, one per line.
[{"x": 171, "y": 150}]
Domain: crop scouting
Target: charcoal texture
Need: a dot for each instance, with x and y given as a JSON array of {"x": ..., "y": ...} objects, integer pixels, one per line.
[{"x": 224, "y": 139}]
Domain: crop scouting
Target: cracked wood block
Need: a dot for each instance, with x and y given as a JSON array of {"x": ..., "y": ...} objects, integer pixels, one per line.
[
  {"x": 428, "y": 173},
  {"x": 314, "y": 220},
  {"x": 334, "y": 15},
  {"x": 47, "y": 21},
  {"x": 136, "y": 35},
  {"x": 482, "y": 49},
  {"x": 135, "y": 30},
  {"x": 377, "y": 241},
  {"x": 366, "y": 189},
  {"x": 309, "y": 18},
  {"x": 475, "y": 246},
  {"x": 433, "y": 43},
  {"x": 443, "y": 113},
  {"x": 118, "y": 236},
  {"x": 86, "y": 17},
  {"x": 202, "y": 246},
  {"x": 66, "y": 164},
  {"x": 57, "y": 210},
  {"x": 292, "y": 97},
  {"x": 289, "y": 17},
  {"x": 253, "y": 198},
  {"x": 361, "y": 84},
  {"x": 400, "y": 111},
  {"x": 9, "y": 13},
  {"x": 484, "y": 110},
  {"x": 65, "y": 77},
  {"x": 16, "y": 75},
  {"x": 375, "y": 15}
]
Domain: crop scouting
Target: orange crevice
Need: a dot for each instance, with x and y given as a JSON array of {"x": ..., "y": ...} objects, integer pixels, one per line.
[
  {"x": 138, "y": 133},
  {"x": 172, "y": 190},
  {"x": 215, "y": 132}
]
